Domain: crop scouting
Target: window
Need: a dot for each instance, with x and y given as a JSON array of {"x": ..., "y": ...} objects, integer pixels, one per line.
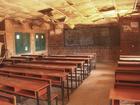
[
  {"x": 40, "y": 41},
  {"x": 22, "y": 42}
]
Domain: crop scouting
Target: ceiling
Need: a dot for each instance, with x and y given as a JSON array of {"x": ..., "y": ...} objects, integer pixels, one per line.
[{"x": 70, "y": 12}]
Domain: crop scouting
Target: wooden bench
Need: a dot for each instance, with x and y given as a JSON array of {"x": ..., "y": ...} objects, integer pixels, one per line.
[
  {"x": 130, "y": 64},
  {"x": 7, "y": 99},
  {"x": 69, "y": 69},
  {"x": 133, "y": 77},
  {"x": 125, "y": 92},
  {"x": 127, "y": 74},
  {"x": 87, "y": 61},
  {"x": 127, "y": 81},
  {"x": 92, "y": 56},
  {"x": 34, "y": 55},
  {"x": 79, "y": 66},
  {"x": 65, "y": 60},
  {"x": 130, "y": 59},
  {"x": 23, "y": 58},
  {"x": 66, "y": 67},
  {"x": 27, "y": 88},
  {"x": 57, "y": 78},
  {"x": 129, "y": 56},
  {"x": 128, "y": 68},
  {"x": 77, "y": 55}
]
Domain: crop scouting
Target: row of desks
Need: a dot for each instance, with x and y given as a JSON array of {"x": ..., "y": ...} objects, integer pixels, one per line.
[
  {"x": 127, "y": 80},
  {"x": 30, "y": 88},
  {"x": 58, "y": 71}
]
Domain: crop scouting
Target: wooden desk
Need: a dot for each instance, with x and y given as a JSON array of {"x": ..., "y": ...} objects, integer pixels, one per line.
[
  {"x": 76, "y": 64},
  {"x": 64, "y": 68},
  {"x": 125, "y": 63},
  {"x": 26, "y": 88},
  {"x": 124, "y": 93},
  {"x": 23, "y": 58},
  {"x": 127, "y": 77},
  {"x": 7, "y": 99},
  {"x": 127, "y": 74},
  {"x": 78, "y": 55},
  {"x": 130, "y": 59},
  {"x": 69, "y": 69},
  {"x": 33, "y": 55},
  {"x": 79, "y": 64},
  {"x": 92, "y": 57},
  {"x": 129, "y": 56},
  {"x": 67, "y": 58},
  {"x": 86, "y": 60},
  {"x": 47, "y": 74},
  {"x": 128, "y": 68},
  {"x": 14, "y": 60},
  {"x": 58, "y": 78},
  {"x": 2, "y": 102}
]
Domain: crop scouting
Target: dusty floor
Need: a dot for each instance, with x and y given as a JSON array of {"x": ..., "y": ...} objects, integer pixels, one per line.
[{"x": 95, "y": 89}]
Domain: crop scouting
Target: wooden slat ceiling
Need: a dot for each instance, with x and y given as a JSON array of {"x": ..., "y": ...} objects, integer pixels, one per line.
[{"x": 69, "y": 11}]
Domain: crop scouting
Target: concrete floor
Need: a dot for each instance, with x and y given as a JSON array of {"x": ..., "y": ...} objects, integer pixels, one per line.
[{"x": 95, "y": 89}]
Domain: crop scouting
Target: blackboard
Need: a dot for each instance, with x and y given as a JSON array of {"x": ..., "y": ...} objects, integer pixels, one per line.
[{"x": 99, "y": 36}]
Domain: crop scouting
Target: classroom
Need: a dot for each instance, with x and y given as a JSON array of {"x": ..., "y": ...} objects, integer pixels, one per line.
[{"x": 69, "y": 52}]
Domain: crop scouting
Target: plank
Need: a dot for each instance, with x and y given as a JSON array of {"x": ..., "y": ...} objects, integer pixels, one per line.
[
  {"x": 40, "y": 73},
  {"x": 125, "y": 93},
  {"x": 24, "y": 87},
  {"x": 131, "y": 77},
  {"x": 7, "y": 99}
]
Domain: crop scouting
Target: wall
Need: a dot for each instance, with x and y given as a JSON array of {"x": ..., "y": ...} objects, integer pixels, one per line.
[
  {"x": 57, "y": 46},
  {"x": 130, "y": 35},
  {"x": 11, "y": 27}
]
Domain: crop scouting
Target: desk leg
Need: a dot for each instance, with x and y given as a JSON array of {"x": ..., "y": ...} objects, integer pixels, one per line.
[
  {"x": 76, "y": 80},
  {"x": 89, "y": 68},
  {"x": 68, "y": 88},
  {"x": 110, "y": 102},
  {"x": 62, "y": 90},
  {"x": 49, "y": 94},
  {"x": 137, "y": 103},
  {"x": 90, "y": 64},
  {"x": 81, "y": 76},
  {"x": 37, "y": 99},
  {"x": 115, "y": 102},
  {"x": 71, "y": 82},
  {"x": 83, "y": 72},
  {"x": 56, "y": 100}
]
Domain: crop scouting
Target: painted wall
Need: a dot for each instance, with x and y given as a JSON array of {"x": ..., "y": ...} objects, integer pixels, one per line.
[
  {"x": 57, "y": 46},
  {"x": 11, "y": 27},
  {"x": 130, "y": 35}
]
